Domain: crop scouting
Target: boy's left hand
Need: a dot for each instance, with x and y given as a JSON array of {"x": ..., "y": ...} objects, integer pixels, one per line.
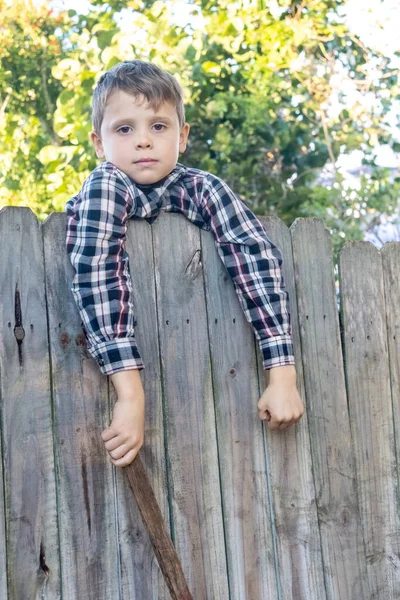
[
  {"x": 124, "y": 438},
  {"x": 281, "y": 404}
]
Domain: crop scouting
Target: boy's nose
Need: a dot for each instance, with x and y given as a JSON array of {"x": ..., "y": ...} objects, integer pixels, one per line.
[{"x": 143, "y": 142}]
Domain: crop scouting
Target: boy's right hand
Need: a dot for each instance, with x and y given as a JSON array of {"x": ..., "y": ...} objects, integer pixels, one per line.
[
  {"x": 280, "y": 404},
  {"x": 124, "y": 438}
]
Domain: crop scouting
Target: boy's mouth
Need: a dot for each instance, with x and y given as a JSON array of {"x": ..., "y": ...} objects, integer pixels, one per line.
[{"x": 145, "y": 161}]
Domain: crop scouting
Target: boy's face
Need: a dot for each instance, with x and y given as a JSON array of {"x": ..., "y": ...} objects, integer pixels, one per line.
[{"x": 132, "y": 132}]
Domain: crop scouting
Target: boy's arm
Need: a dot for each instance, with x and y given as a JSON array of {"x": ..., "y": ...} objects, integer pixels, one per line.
[
  {"x": 254, "y": 264},
  {"x": 102, "y": 289}
]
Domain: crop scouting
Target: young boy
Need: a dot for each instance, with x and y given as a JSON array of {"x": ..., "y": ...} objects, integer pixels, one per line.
[{"x": 139, "y": 128}]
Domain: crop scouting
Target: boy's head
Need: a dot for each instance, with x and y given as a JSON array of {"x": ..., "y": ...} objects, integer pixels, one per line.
[{"x": 137, "y": 114}]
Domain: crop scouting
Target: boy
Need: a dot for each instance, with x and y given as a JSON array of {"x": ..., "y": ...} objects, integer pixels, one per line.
[{"x": 139, "y": 128}]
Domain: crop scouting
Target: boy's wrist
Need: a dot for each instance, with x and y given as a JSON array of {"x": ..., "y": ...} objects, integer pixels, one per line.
[
  {"x": 128, "y": 384},
  {"x": 131, "y": 398},
  {"x": 283, "y": 374}
]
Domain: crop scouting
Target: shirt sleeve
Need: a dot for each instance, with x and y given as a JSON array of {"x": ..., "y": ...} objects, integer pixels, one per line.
[
  {"x": 102, "y": 288},
  {"x": 254, "y": 264}
]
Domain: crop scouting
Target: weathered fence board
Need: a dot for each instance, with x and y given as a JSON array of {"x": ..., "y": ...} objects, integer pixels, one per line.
[
  {"x": 371, "y": 417},
  {"x": 33, "y": 559},
  {"x": 240, "y": 444},
  {"x": 3, "y": 544},
  {"x": 299, "y": 552},
  {"x": 86, "y": 508},
  {"x": 391, "y": 271},
  {"x": 190, "y": 420},
  {"x": 307, "y": 513},
  {"x": 332, "y": 454},
  {"x": 139, "y": 569}
]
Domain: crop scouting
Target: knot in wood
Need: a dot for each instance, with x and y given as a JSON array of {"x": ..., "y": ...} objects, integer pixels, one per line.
[
  {"x": 64, "y": 339},
  {"x": 345, "y": 516},
  {"x": 19, "y": 333},
  {"x": 80, "y": 340},
  {"x": 232, "y": 372}
]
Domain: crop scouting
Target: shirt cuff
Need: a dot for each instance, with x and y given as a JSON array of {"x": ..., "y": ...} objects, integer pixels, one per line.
[
  {"x": 277, "y": 351},
  {"x": 119, "y": 354}
]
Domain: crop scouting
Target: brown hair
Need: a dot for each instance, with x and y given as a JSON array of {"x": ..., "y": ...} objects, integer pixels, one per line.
[{"x": 137, "y": 77}]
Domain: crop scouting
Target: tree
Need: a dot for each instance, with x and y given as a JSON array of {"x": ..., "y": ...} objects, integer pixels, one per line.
[
  {"x": 29, "y": 47},
  {"x": 261, "y": 82}
]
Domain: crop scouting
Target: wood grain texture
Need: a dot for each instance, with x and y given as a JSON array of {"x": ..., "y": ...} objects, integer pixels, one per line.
[
  {"x": 86, "y": 495},
  {"x": 242, "y": 466},
  {"x": 371, "y": 416},
  {"x": 391, "y": 269},
  {"x": 331, "y": 447},
  {"x": 30, "y": 493},
  {"x": 249, "y": 505},
  {"x": 299, "y": 552},
  {"x": 3, "y": 542},
  {"x": 189, "y": 410},
  {"x": 140, "y": 573}
]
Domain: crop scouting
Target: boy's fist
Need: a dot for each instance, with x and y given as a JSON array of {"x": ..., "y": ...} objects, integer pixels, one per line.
[
  {"x": 124, "y": 438},
  {"x": 280, "y": 403}
]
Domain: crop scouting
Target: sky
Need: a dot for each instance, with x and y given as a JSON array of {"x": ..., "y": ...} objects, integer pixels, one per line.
[{"x": 376, "y": 22}]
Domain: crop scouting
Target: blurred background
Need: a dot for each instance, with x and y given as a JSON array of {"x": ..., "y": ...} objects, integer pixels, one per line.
[{"x": 294, "y": 103}]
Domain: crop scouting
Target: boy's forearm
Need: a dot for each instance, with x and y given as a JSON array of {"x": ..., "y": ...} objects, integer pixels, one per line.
[{"x": 127, "y": 384}]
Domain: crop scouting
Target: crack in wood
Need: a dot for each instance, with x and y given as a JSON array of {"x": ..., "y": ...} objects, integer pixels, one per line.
[
  {"x": 86, "y": 489},
  {"x": 42, "y": 560},
  {"x": 18, "y": 329},
  {"x": 194, "y": 266}
]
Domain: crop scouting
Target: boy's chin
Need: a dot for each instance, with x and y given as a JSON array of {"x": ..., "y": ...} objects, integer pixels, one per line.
[
  {"x": 148, "y": 177},
  {"x": 144, "y": 176}
]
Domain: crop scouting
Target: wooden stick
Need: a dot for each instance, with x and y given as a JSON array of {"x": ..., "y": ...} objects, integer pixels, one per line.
[{"x": 159, "y": 537}]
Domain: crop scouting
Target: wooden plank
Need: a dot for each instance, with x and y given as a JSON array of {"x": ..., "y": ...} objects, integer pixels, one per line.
[
  {"x": 189, "y": 411},
  {"x": 139, "y": 570},
  {"x": 332, "y": 453},
  {"x": 33, "y": 559},
  {"x": 3, "y": 545},
  {"x": 86, "y": 505},
  {"x": 250, "y": 554},
  {"x": 299, "y": 552},
  {"x": 160, "y": 539},
  {"x": 371, "y": 416},
  {"x": 391, "y": 269}
]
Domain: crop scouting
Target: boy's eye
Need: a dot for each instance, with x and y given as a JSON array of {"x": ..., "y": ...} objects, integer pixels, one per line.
[
  {"x": 159, "y": 126},
  {"x": 125, "y": 127}
]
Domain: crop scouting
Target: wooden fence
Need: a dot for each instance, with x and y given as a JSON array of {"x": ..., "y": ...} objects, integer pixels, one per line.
[{"x": 311, "y": 512}]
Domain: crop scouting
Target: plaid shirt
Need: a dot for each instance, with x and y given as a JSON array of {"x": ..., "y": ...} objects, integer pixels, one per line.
[{"x": 102, "y": 288}]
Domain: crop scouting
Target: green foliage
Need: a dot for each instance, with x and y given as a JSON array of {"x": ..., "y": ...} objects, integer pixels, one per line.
[{"x": 259, "y": 79}]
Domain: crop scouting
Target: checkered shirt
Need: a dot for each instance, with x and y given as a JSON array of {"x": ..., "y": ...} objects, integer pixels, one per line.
[{"x": 102, "y": 287}]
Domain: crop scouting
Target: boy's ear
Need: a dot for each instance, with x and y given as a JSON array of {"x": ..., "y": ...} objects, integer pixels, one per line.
[
  {"x": 183, "y": 136},
  {"x": 98, "y": 144}
]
